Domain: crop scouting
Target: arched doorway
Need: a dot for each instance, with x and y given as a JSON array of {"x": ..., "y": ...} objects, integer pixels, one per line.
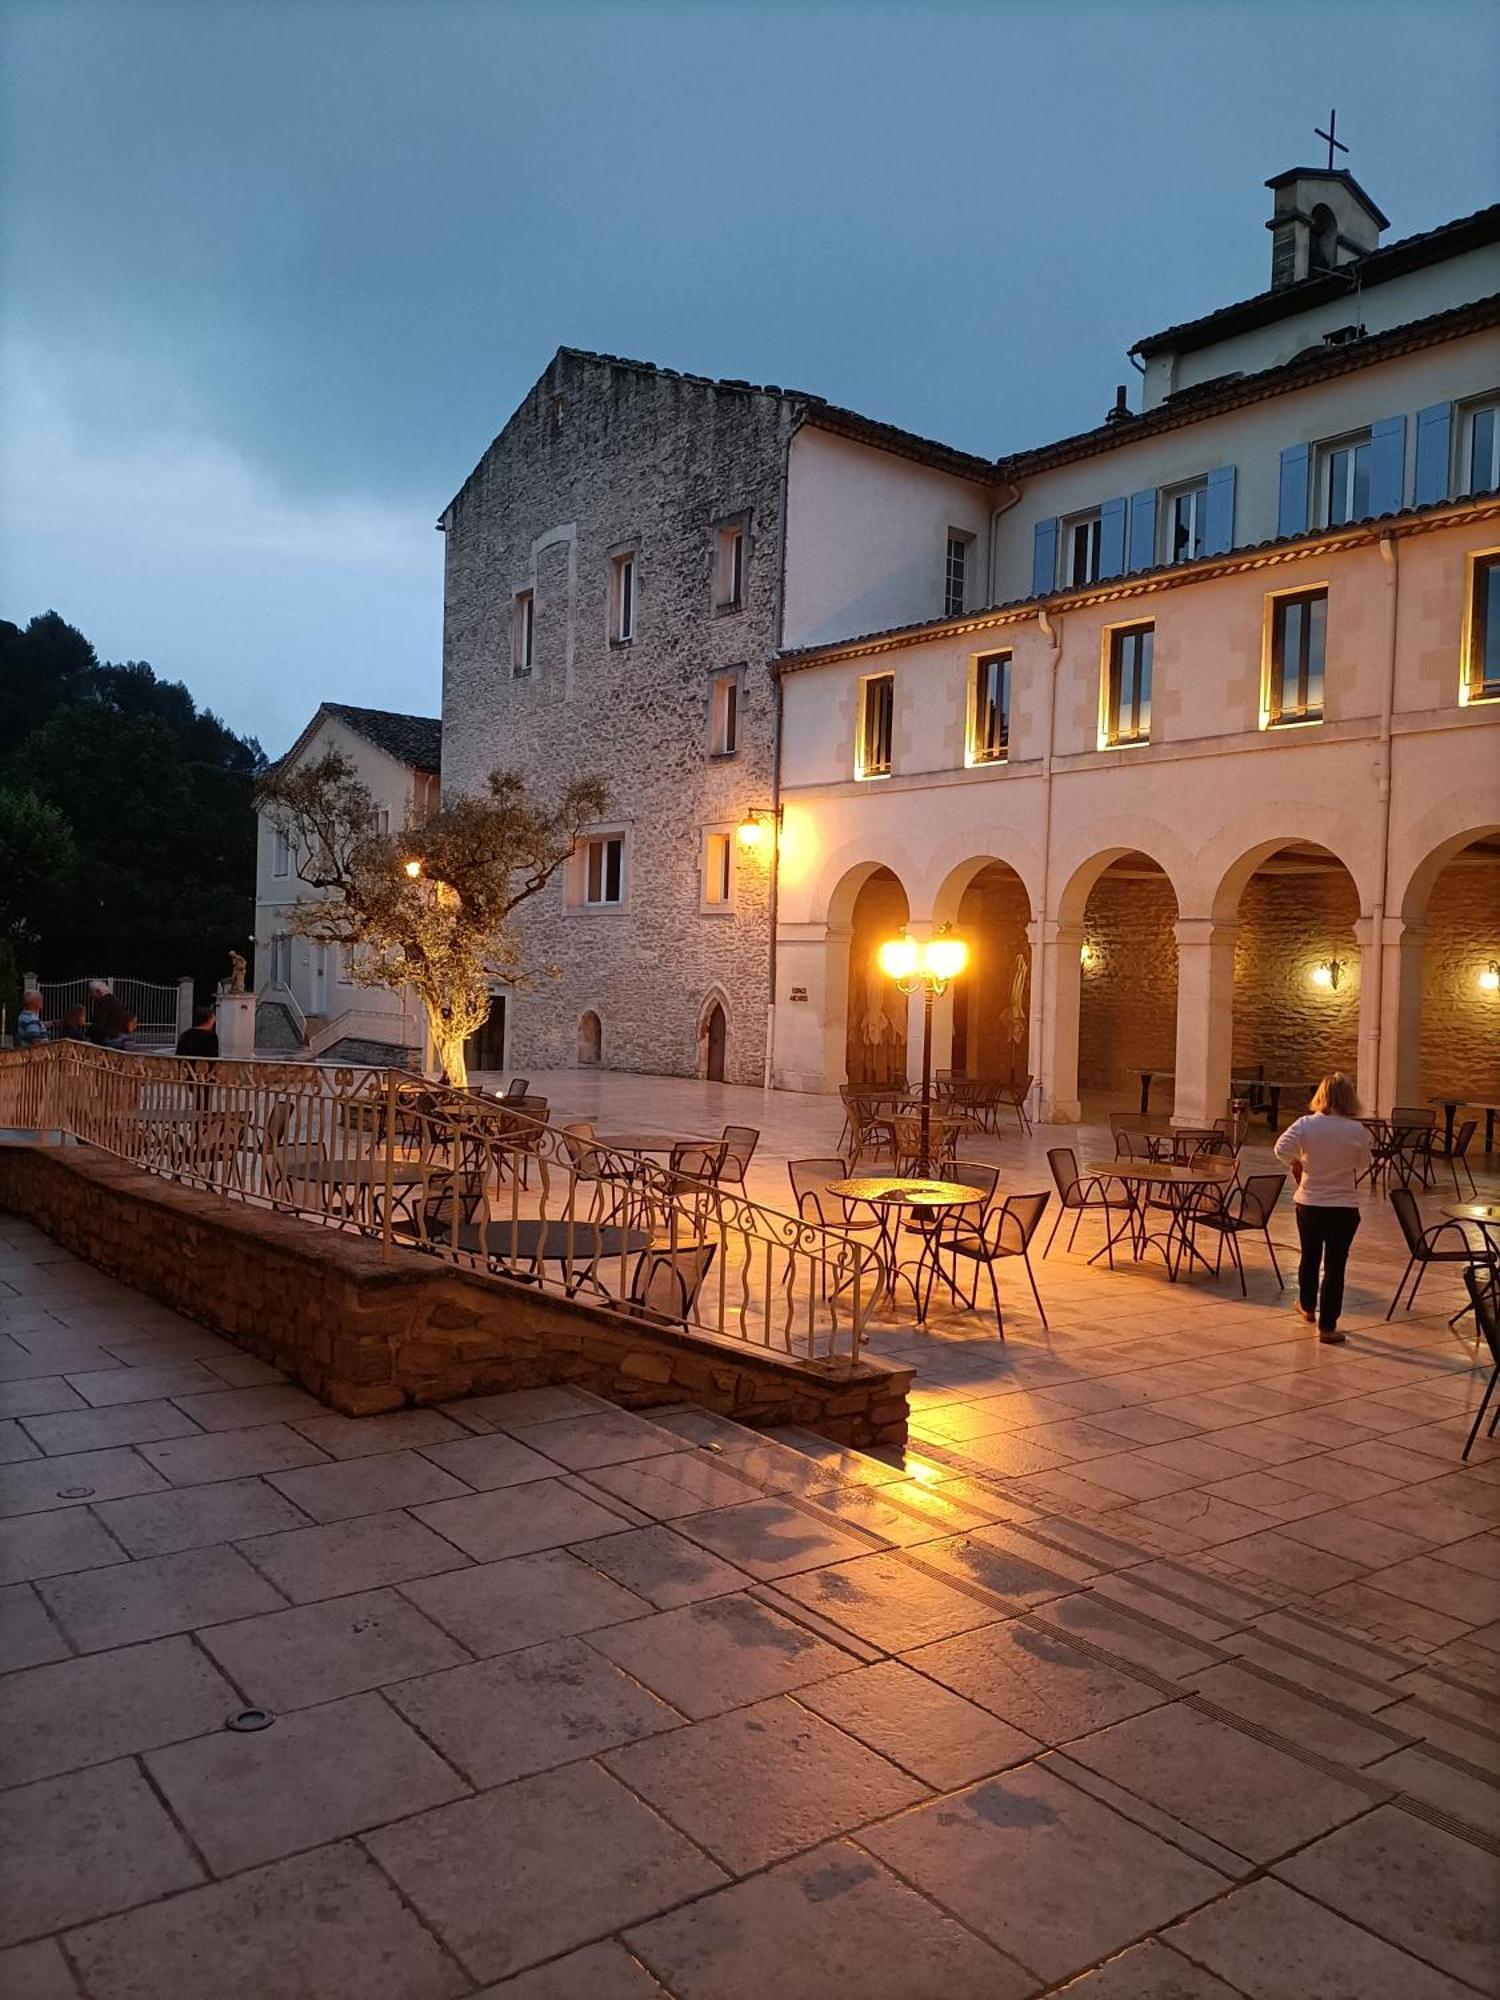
[
  {"x": 991, "y": 1002},
  {"x": 1127, "y": 1006},
  {"x": 1296, "y": 974},
  {"x": 1459, "y": 1044},
  {"x": 875, "y": 1035},
  {"x": 713, "y": 1034},
  {"x": 590, "y": 1040}
]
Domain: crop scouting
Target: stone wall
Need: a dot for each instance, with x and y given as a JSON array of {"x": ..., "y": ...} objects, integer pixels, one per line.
[
  {"x": 368, "y": 1336},
  {"x": 601, "y": 458},
  {"x": 1127, "y": 1015},
  {"x": 989, "y": 1033},
  {"x": 1460, "y": 1020},
  {"x": 1291, "y": 922}
]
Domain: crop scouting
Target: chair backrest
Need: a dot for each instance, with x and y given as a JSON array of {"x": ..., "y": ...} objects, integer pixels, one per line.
[
  {"x": 1463, "y": 1138},
  {"x": 583, "y": 1157},
  {"x": 517, "y": 1087},
  {"x": 668, "y": 1278},
  {"x": 740, "y": 1142},
  {"x": 1012, "y": 1225},
  {"x": 1258, "y": 1198},
  {"x": 810, "y": 1180},
  {"x": 1404, "y": 1202},
  {"x": 1413, "y": 1114},
  {"x": 1483, "y": 1287},
  {"x": 975, "y": 1174},
  {"x": 697, "y": 1162},
  {"x": 1064, "y": 1164}
]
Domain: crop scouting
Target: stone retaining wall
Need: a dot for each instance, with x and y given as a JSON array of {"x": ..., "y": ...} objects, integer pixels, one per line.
[{"x": 367, "y": 1336}]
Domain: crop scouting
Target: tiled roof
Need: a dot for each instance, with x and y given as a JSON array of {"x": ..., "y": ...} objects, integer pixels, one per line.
[{"x": 416, "y": 740}]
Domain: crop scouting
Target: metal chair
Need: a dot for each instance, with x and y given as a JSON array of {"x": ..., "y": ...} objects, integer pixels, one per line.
[
  {"x": 1456, "y": 1152},
  {"x": 740, "y": 1142},
  {"x": 1421, "y": 1243},
  {"x": 610, "y": 1175},
  {"x": 667, "y": 1279},
  {"x": 515, "y": 1090},
  {"x": 1483, "y": 1286},
  {"x": 906, "y": 1141},
  {"x": 869, "y": 1129},
  {"x": 1236, "y": 1211},
  {"x": 1005, "y": 1232},
  {"x": 1079, "y": 1197},
  {"x": 1013, "y": 1096}
]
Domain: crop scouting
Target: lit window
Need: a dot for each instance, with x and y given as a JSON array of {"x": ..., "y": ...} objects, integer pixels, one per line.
[
  {"x": 1482, "y": 653},
  {"x": 989, "y": 709},
  {"x": 1186, "y": 513},
  {"x": 1127, "y": 687},
  {"x": 523, "y": 632},
  {"x": 603, "y": 872},
  {"x": 1080, "y": 549},
  {"x": 877, "y": 709},
  {"x": 1294, "y": 670},
  {"x": 729, "y": 567},
  {"x": 718, "y": 867},
  {"x": 1346, "y": 481},
  {"x": 622, "y": 596},
  {"x": 1482, "y": 450},
  {"x": 281, "y": 863},
  {"x": 956, "y": 575},
  {"x": 724, "y": 716}
]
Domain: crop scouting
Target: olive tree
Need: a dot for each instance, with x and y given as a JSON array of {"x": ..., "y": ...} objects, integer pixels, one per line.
[{"x": 429, "y": 907}]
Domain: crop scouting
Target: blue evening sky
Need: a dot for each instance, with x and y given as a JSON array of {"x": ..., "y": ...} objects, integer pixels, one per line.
[{"x": 275, "y": 271}]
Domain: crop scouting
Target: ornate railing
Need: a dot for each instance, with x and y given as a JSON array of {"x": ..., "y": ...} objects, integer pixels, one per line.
[{"x": 480, "y": 1185}]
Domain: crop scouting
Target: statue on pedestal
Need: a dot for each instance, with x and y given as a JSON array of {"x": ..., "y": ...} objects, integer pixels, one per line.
[{"x": 236, "y": 972}]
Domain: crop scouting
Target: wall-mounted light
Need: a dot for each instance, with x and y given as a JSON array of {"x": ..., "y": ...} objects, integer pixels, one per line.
[
  {"x": 1329, "y": 974},
  {"x": 757, "y": 823},
  {"x": 413, "y": 869},
  {"x": 1489, "y": 979},
  {"x": 1087, "y": 957}
]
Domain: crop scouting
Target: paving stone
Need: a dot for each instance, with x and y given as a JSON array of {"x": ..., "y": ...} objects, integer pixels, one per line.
[
  {"x": 1292, "y": 1564},
  {"x": 485, "y": 1463},
  {"x": 36, "y": 1397},
  {"x": 598, "y": 1972},
  {"x": 770, "y": 1537},
  {"x": 515, "y": 1521},
  {"x": 1149, "y": 1971},
  {"x": 339, "y": 1491},
  {"x": 338, "y": 1646},
  {"x": 1438, "y": 1586},
  {"x": 16, "y": 1444},
  {"x": 722, "y": 1653},
  {"x": 44, "y": 1483},
  {"x": 308, "y": 1563},
  {"x": 502, "y": 1607},
  {"x": 1034, "y": 1680},
  {"x": 667, "y": 1488},
  {"x": 144, "y": 1600},
  {"x": 890, "y": 1602},
  {"x": 77, "y": 1847},
  {"x": 1325, "y": 1730},
  {"x": 102, "y": 1388},
  {"x": 832, "y": 1922},
  {"x": 360, "y": 1437},
  {"x": 97, "y": 1430},
  {"x": 758, "y": 1784},
  {"x": 158, "y": 1524},
  {"x": 600, "y": 1437},
  {"x": 522, "y": 1712},
  {"x": 64, "y": 1538},
  {"x": 36, "y": 1972},
  {"x": 239, "y": 1409},
  {"x": 927, "y": 1729},
  {"x": 538, "y": 1867},
  {"x": 1089, "y": 1615},
  {"x": 313, "y": 1776},
  {"x": 1017, "y": 1579},
  {"x": 905, "y": 1513},
  {"x": 322, "y": 1924},
  {"x": 1465, "y": 1795},
  {"x": 1011, "y": 1855},
  {"x": 27, "y": 1635},
  {"x": 1481, "y": 1555},
  {"x": 663, "y": 1567},
  {"x": 229, "y": 1455},
  {"x": 75, "y": 1712},
  {"x": 1270, "y": 1942}
]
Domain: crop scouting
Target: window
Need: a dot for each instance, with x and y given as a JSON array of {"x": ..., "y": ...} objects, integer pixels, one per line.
[
  {"x": 380, "y": 821},
  {"x": 281, "y": 863},
  {"x": 1080, "y": 546},
  {"x": 956, "y": 575},
  {"x": 1482, "y": 652},
  {"x": 989, "y": 709},
  {"x": 1185, "y": 519},
  {"x": 281, "y": 959},
  {"x": 1294, "y": 667},
  {"x": 1481, "y": 466},
  {"x": 718, "y": 870},
  {"x": 877, "y": 708},
  {"x": 1346, "y": 480},
  {"x": 729, "y": 567},
  {"x": 1127, "y": 687},
  {"x": 622, "y": 600},
  {"x": 346, "y": 965},
  {"x": 603, "y": 872},
  {"x": 724, "y": 716},
  {"x": 523, "y": 632}
]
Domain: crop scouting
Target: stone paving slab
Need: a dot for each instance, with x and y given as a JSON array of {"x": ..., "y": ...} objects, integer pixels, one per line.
[{"x": 334, "y": 1646}]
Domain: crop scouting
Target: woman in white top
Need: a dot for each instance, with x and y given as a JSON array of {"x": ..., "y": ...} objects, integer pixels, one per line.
[{"x": 1327, "y": 1151}]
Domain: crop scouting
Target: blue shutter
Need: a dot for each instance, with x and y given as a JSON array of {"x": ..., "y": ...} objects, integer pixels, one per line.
[
  {"x": 1388, "y": 465},
  {"x": 1291, "y": 510},
  {"x": 1044, "y": 557},
  {"x": 1111, "y": 538},
  {"x": 1218, "y": 512},
  {"x": 1434, "y": 453},
  {"x": 1143, "y": 529}
]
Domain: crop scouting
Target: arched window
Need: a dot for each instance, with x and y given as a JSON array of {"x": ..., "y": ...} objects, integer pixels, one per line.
[
  {"x": 1323, "y": 249},
  {"x": 590, "y": 1040}
]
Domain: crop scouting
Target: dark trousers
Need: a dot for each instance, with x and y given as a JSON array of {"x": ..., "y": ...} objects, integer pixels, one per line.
[{"x": 1326, "y": 1234}]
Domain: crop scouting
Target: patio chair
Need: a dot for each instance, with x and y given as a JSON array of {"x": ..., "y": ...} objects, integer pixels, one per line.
[
  {"x": 1132, "y": 1134},
  {"x": 667, "y": 1279},
  {"x": 1191, "y": 1143},
  {"x": 869, "y": 1130},
  {"x": 1006, "y": 1231},
  {"x": 906, "y": 1141},
  {"x": 1456, "y": 1152},
  {"x": 1422, "y": 1245},
  {"x": 515, "y": 1090},
  {"x": 610, "y": 1174},
  {"x": 1233, "y": 1212},
  {"x": 1483, "y": 1286},
  {"x": 1080, "y": 1197},
  {"x": 740, "y": 1142},
  {"x": 1014, "y": 1096}
]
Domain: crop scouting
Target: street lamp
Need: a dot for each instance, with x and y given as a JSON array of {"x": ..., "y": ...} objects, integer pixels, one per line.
[{"x": 927, "y": 965}]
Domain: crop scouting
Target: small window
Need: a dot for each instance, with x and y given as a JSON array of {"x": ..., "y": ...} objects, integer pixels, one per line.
[
  {"x": 281, "y": 959},
  {"x": 989, "y": 709},
  {"x": 1080, "y": 549},
  {"x": 1481, "y": 449},
  {"x": 1294, "y": 676},
  {"x": 1482, "y": 653},
  {"x": 1127, "y": 688},
  {"x": 955, "y": 578},
  {"x": 724, "y": 716},
  {"x": 281, "y": 863},
  {"x": 346, "y": 965},
  {"x": 718, "y": 870},
  {"x": 622, "y": 600},
  {"x": 603, "y": 873},
  {"x": 877, "y": 709},
  {"x": 1185, "y": 513},
  {"x": 1346, "y": 480},
  {"x": 523, "y": 632},
  {"x": 380, "y": 821},
  {"x": 729, "y": 567}
]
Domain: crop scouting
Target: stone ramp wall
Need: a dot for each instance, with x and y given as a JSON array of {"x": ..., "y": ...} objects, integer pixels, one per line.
[{"x": 368, "y": 1336}]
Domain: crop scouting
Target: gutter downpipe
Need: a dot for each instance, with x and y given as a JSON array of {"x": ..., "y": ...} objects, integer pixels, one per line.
[
  {"x": 1051, "y": 630},
  {"x": 1390, "y": 556},
  {"x": 774, "y": 901}
]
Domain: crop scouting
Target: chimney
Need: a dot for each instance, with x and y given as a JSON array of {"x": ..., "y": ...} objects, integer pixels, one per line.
[
  {"x": 1321, "y": 219},
  {"x": 1122, "y": 412}
]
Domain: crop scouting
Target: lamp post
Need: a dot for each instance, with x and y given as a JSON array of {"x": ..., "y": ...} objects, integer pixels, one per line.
[{"x": 925, "y": 965}]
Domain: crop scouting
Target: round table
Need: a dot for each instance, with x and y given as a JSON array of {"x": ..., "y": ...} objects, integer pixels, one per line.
[
  {"x": 1485, "y": 1216},
  {"x": 890, "y": 1195},
  {"x": 1139, "y": 1175}
]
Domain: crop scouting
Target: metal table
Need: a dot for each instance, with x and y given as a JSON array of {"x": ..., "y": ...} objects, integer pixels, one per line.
[
  {"x": 1148, "y": 1077},
  {"x": 890, "y": 1195},
  {"x": 1181, "y": 1183},
  {"x": 580, "y": 1247},
  {"x": 1485, "y": 1216}
]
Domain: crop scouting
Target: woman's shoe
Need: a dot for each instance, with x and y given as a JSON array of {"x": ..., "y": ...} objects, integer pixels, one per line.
[
  {"x": 1332, "y": 1337},
  {"x": 1304, "y": 1314}
]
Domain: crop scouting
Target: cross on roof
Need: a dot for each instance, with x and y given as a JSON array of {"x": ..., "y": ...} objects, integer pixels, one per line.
[{"x": 1330, "y": 135}]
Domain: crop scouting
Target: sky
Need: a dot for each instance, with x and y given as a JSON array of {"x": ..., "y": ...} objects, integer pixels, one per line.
[{"x": 274, "y": 272}]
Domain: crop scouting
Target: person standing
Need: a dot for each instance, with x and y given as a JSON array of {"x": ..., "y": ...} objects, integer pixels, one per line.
[
  {"x": 31, "y": 1029},
  {"x": 202, "y": 1039},
  {"x": 107, "y": 1017},
  {"x": 1327, "y": 1151}
]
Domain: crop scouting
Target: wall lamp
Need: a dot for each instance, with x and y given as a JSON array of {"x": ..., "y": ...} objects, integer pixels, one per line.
[
  {"x": 1329, "y": 974},
  {"x": 1489, "y": 979},
  {"x": 413, "y": 869},
  {"x": 759, "y": 820}
]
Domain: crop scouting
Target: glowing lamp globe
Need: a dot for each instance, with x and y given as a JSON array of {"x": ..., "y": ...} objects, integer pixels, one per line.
[
  {"x": 414, "y": 869},
  {"x": 898, "y": 957},
  {"x": 946, "y": 957},
  {"x": 751, "y": 833}
]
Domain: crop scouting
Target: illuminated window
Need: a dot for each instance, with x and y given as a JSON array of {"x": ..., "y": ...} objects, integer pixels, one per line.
[
  {"x": 1294, "y": 669},
  {"x": 601, "y": 879},
  {"x": 622, "y": 599},
  {"x": 877, "y": 710},
  {"x": 989, "y": 709},
  {"x": 1080, "y": 549},
  {"x": 1127, "y": 686},
  {"x": 955, "y": 578},
  {"x": 1481, "y": 449},
  {"x": 724, "y": 715},
  {"x": 1346, "y": 480},
  {"x": 1185, "y": 514},
  {"x": 718, "y": 869},
  {"x": 523, "y": 632},
  {"x": 1482, "y": 651},
  {"x": 729, "y": 566}
]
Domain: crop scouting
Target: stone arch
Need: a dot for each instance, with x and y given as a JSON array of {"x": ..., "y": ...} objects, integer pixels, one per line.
[
  {"x": 590, "y": 1039},
  {"x": 988, "y": 902},
  {"x": 1079, "y": 886},
  {"x": 1448, "y": 1014},
  {"x": 1416, "y": 891},
  {"x": 1292, "y": 907},
  {"x": 714, "y": 1016},
  {"x": 1225, "y": 878},
  {"x": 1117, "y": 955},
  {"x": 870, "y": 905},
  {"x": 846, "y": 888}
]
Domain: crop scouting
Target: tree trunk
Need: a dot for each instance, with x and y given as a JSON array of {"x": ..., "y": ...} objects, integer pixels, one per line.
[{"x": 449, "y": 1050}]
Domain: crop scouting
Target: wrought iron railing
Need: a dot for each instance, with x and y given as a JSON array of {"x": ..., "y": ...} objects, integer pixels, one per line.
[{"x": 482, "y": 1186}]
